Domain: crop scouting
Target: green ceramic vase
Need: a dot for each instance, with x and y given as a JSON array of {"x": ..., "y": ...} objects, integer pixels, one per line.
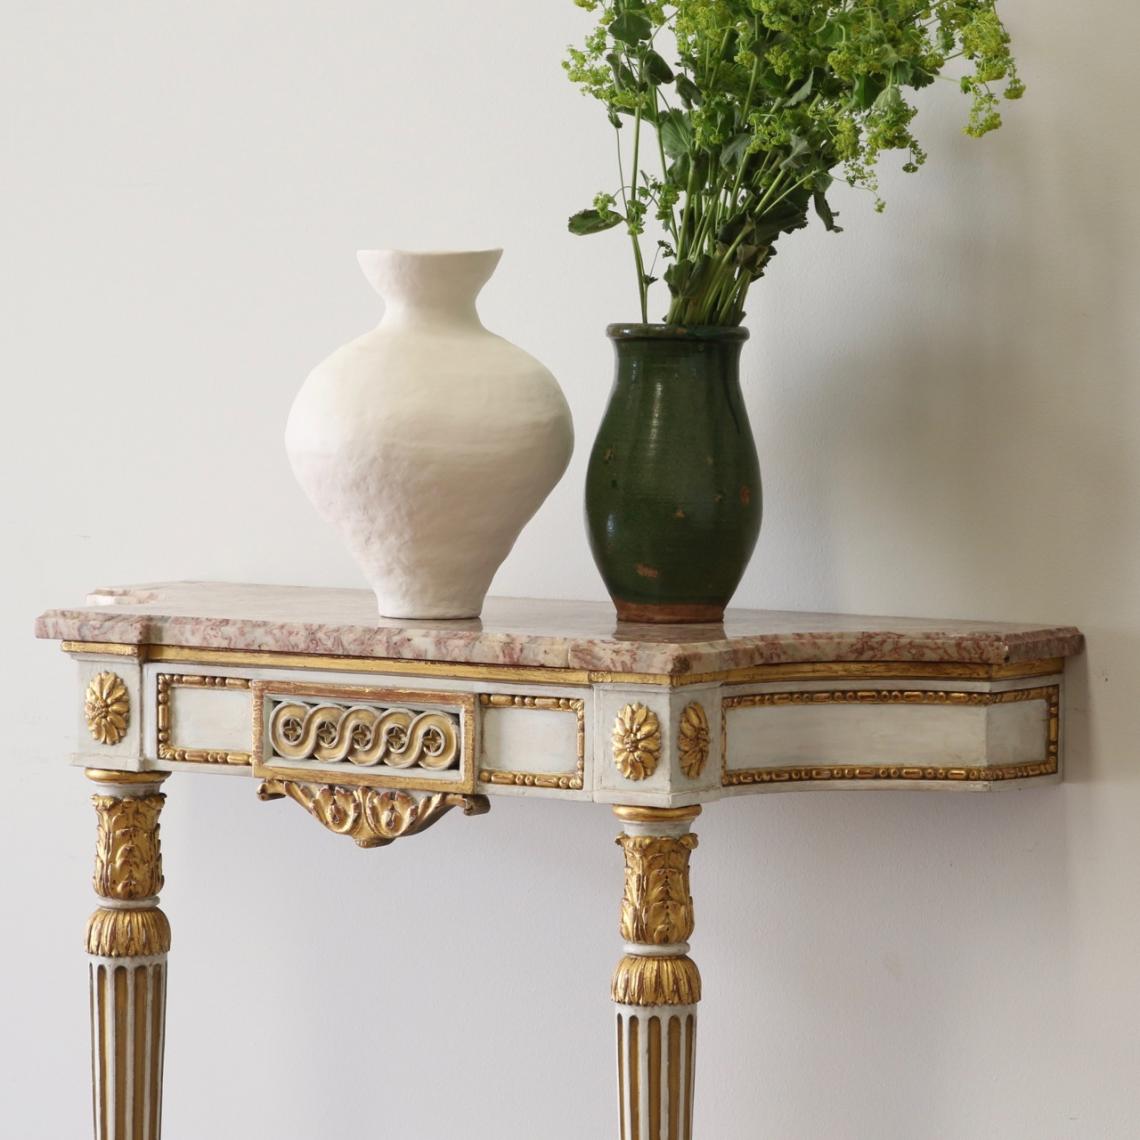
[{"x": 673, "y": 484}]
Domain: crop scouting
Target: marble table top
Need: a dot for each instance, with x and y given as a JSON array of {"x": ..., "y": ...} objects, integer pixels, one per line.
[{"x": 530, "y": 632}]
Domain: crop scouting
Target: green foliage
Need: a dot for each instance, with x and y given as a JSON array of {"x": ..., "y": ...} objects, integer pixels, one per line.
[{"x": 765, "y": 103}]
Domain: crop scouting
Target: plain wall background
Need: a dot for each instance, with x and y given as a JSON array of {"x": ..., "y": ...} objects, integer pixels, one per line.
[{"x": 947, "y": 407}]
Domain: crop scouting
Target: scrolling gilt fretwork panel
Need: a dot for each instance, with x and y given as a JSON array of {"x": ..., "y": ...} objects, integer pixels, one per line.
[
  {"x": 389, "y": 738},
  {"x": 364, "y": 735}
]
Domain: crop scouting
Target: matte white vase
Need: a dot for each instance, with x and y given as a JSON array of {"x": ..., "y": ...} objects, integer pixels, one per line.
[{"x": 429, "y": 442}]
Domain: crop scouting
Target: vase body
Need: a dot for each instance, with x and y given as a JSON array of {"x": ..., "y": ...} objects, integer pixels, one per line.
[
  {"x": 673, "y": 499},
  {"x": 429, "y": 442}
]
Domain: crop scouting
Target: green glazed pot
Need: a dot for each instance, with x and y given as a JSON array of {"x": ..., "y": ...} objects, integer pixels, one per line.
[{"x": 673, "y": 484}]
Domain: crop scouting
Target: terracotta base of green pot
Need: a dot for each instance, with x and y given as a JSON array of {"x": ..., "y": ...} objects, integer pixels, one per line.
[{"x": 668, "y": 613}]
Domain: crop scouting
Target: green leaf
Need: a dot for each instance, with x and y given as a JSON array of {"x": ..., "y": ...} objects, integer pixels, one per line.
[
  {"x": 676, "y": 133},
  {"x": 753, "y": 258},
  {"x": 796, "y": 155},
  {"x": 624, "y": 78},
  {"x": 890, "y": 101},
  {"x": 734, "y": 228},
  {"x": 827, "y": 216},
  {"x": 726, "y": 118},
  {"x": 647, "y": 114},
  {"x": 687, "y": 278},
  {"x": 677, "y": 277},
  {"x": 690, "y": 93},
  {"x": 833, "y": 33},
  {"x": 867, "y": 89},
  {"x": 802, "y": 92},
  {"x": 656, "y": 69},
  {"x": 631, "y": 27},
  {"x": 678, "y": 172},
  {"x": 790, "y": 215},
  {"x": 593, "y": 222},
  {"x": 735, "y": 150}
]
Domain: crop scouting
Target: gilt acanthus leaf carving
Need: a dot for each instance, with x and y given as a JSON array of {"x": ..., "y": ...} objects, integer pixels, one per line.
[{"x": 371, "y": 817}]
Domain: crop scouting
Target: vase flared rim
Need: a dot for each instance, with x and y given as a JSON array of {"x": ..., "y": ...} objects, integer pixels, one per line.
[
  {"x": 676, "y": 332},
  {"x": 431, "y": 254},
  {"x": 432, "y": 278}
]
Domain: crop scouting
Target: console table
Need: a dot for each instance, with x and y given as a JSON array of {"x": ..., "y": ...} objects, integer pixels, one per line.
[{"x": 380, "y": 728}]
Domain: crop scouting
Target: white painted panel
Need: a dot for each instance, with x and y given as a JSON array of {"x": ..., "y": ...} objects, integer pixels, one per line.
[
  {"x": 530, "y": 740},
  {"x": 125, "y": 753},
  {"x": 1018, "y": 733},
  {"x": 610, "y": 701},
  {"x": 770, "y": 736},
  {"x": 218, "y": 719}
]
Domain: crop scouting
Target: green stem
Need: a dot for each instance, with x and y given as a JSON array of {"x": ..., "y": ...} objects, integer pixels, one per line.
[
  {"x": 639, "y": 265},
  {"x": 744, "y": 120},
  {"x": 672, "y": 223},
  {"x": 687, "y": 211},
  {"x": 642, "y": 288}
]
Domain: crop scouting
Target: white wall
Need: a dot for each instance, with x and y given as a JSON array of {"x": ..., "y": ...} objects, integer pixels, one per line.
[{"x": 948, "y": 412}]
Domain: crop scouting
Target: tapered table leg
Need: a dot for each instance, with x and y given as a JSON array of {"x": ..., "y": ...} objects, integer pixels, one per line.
[
  {"x": 656, "y": 986},
  {"x": 127, "y": 938}
]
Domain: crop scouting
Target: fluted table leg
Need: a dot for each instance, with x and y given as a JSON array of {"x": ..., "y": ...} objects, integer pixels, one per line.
[
  {"x": 656, "y": 986},
  {"x": 127, "y": 939}
]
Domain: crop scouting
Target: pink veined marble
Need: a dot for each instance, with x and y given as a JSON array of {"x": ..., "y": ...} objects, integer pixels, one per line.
[{"x": 530, "y": 632}]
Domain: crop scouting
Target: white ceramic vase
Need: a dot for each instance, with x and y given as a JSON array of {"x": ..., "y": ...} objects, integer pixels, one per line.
[{"x": 429, "y": 442}]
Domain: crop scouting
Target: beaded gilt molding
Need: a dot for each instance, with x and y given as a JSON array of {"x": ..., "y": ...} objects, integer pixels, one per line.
[
  {"x": 165, "y": 684},
  {"x": 569, "y": 782}
]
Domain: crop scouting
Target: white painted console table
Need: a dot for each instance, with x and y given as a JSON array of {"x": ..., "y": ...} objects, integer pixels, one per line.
[{"x": 379, "y": 728}]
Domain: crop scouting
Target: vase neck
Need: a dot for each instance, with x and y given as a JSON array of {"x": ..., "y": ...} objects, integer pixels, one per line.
[
  {"x": 432, "y": 291},
  {"x": 663, "y": 360}
]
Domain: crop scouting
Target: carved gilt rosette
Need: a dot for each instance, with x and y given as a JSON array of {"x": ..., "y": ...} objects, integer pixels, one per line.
[
  {"x": 107, "y": 708},
  {"x": 637, "y": 742},
  {"x": 693, "y": 733}
]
